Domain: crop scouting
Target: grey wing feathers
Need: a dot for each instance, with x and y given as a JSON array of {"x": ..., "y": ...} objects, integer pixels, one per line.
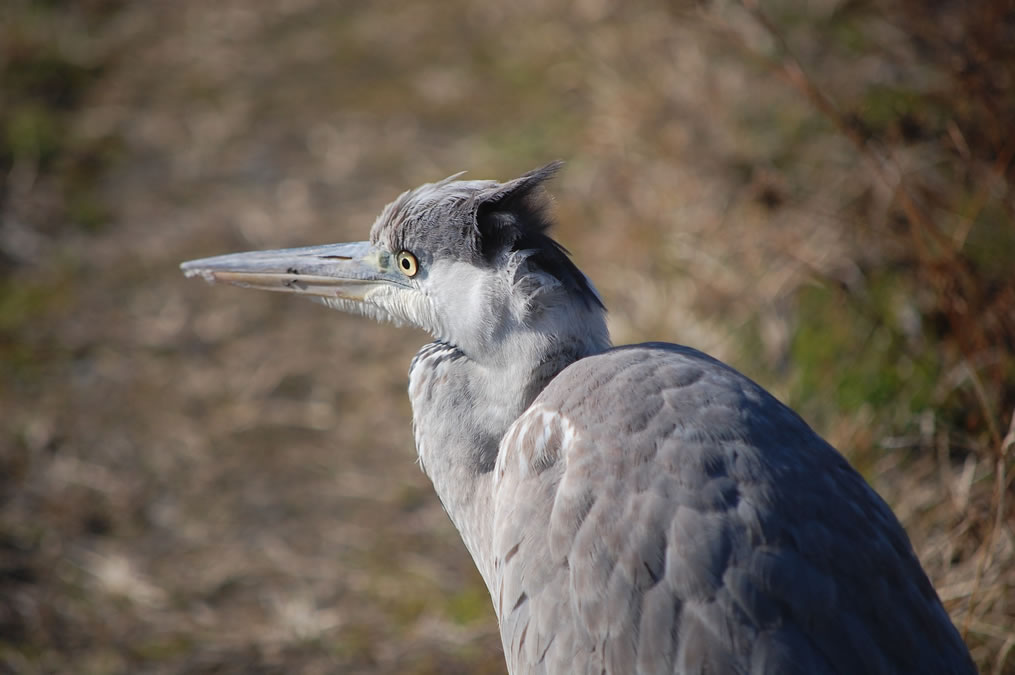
[{"x": 697, "y": 525}]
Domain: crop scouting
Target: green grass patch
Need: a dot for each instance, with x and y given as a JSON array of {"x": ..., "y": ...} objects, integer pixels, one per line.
[
  {"x": 468, "y": 605},
  {"x": 851, "y": 352}
]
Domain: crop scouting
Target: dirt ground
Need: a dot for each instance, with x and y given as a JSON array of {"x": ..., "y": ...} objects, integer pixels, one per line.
[{"x": 197, "y": 479}]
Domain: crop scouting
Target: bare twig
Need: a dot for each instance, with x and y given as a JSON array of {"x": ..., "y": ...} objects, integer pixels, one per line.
[
  {"x": 1002, "y": 655},
  {"x": 986, "y": 554},
  {"x": 885, "y": 168},
  {"x": 999, "y": 169}
]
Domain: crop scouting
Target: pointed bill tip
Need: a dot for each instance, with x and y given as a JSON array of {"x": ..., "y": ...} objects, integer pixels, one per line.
[{"x": 191, "y": 268}]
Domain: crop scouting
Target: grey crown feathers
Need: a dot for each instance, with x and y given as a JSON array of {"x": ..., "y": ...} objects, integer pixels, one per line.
[{"x": 638, "y": 509}]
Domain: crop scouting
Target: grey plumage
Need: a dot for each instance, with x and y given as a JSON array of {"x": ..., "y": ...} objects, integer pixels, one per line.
[{"x": 640, "y": 509}]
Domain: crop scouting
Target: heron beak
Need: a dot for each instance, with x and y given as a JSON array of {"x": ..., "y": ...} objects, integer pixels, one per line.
[{"x": 335, "y": 271}]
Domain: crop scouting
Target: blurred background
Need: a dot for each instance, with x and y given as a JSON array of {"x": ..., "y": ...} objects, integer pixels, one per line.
[{"x": 205, "y": 480}]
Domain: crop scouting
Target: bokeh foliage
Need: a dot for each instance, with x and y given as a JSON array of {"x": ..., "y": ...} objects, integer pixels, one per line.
[{"x": 198, "y": 481}]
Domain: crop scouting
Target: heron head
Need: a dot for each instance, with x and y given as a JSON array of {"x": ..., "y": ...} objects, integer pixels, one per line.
[{"x": 470, "y": 262}]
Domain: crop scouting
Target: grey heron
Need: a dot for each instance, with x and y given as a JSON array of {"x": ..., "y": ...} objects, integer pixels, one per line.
[{"x": 635, "y": 509}]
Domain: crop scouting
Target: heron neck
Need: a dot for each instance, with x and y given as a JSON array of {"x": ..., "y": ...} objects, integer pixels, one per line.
[{"x": 461, "y": 410}]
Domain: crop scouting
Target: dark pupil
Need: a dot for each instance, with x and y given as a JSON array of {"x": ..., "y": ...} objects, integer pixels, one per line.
[{"x": 405, "y": 263}]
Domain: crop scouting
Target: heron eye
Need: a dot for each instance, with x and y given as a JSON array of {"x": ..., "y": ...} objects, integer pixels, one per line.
[{"x": 407, "y": 263}]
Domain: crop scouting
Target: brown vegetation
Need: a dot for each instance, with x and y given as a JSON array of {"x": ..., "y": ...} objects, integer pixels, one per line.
[{"x": 196, "y": 479}]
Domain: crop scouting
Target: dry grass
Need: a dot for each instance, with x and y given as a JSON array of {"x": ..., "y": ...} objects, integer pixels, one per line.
[{"x": 195, "y": 479}]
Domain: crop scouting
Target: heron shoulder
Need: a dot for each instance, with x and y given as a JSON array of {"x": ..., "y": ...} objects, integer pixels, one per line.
[{"x": 654, "y": 397}]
